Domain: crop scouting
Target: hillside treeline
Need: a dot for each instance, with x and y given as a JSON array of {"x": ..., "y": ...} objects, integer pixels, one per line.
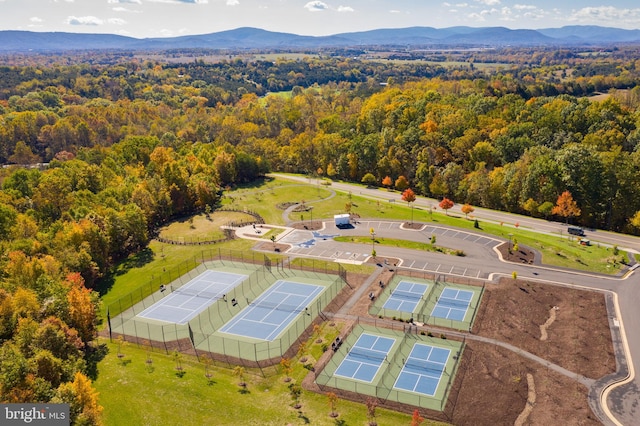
[{"x": 496, "y": 141}]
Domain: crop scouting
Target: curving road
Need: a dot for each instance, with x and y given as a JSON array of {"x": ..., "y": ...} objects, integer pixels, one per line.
[{"x": 615, "y": 399}]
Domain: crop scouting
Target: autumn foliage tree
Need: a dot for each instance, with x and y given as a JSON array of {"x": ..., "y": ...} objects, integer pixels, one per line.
[
  {"x": 401, "y": 183},
  {"x": 332, "y": 399},
  {"x": 445, "y": 205},
  {"x": 416, "y": 419},
  {"x": 409, "y": 196},
  {"x": 387, "y": 182},
  {"x": 566, "y": 206},
  {"x": 467, "y": 209}
]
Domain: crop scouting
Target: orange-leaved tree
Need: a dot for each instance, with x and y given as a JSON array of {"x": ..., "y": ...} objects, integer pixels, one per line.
[
  {"x": 566, "y": 206},
  {"x": 409, "y": 196},
  {"x": 445, "y": 205},
  {"x": 416, "y": 419},
  {"x": 466, "y": 209},
  {"x": 387, "y": 182}
]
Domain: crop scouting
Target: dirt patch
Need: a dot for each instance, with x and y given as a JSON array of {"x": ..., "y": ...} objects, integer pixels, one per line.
[
  {"x": 308, "y": 225},
  {"x": 579, "y": 339},
  {"x": 493, "y": 390},
  {"x": 522, "y": 255},
  {"x": 492, "y": 386}
]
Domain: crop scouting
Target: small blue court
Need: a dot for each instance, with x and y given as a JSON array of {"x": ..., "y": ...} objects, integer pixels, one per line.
[
  {"x": 406, "y": 296},
  {"x": 186, "y": 302},
  {"x": 423, "y": 369},
  {"x": 452, "y": 304},
  {"x": 365, "y": 357},
  {"x": 268, "y": 315}
]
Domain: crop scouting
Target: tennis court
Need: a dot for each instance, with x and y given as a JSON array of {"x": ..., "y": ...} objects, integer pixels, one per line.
[
  {"x": 364, "y": 359},
  {"x": 406, "y": 296},
  {"x": 186, "y": 302},
  {"x": 271, "y": 312},
  {"x": 452, "y": 304},
  {"x": 423, "y": 369}
]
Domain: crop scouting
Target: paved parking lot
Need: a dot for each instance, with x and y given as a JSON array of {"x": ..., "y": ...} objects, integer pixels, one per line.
[{"x": 320, "y": 244}]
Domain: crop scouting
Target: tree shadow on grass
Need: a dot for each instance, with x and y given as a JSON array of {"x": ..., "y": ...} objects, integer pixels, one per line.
[
  {"x": 137, "y": 260},
  {"x": 94, "y": 354}
]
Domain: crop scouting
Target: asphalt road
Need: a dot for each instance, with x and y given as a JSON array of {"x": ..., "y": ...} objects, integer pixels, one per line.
[{"x": 621, "y": 399}]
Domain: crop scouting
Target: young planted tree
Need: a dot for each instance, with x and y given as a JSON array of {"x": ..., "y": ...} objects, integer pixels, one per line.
[
  {"x": 416, "y": 419},
  {"x": 467, "y": 209},
  {"x": 372, "y": 404},
  {"x": 285, "y": 363},
  {"x": 409, "y": 196},
  {"x": 445, "y": 205},
  {"x": 566, "y": 206},
  {"x": 387, "y": 182},
  {"x": 239, "y": 372},
  {"x": 333, "y": 401}
]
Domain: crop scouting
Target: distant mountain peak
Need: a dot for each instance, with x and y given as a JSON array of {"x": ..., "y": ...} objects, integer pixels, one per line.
[{"x": 256, "y": 38}]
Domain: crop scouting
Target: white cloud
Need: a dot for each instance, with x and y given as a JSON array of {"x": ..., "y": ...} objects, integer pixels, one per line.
[
  {"x": 316, "y": 6},
  {"x": 345, "y": 9},
  {"x": 394, "y": 11},
  {"x": 125, "y": 1},
  {"x": 606, "y": 14},
  {"x": 84, "y": 20},
  {"x": 489, "y": 2},
  {"x": 233, "y": 2},
  {"x": 524, "y": 7},
  {"x": 116, "y": 21},
  {"x": 35, "y": 19}
]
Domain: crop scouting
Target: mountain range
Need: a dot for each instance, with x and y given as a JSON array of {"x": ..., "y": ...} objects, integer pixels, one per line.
[{"x": 254, "y": 38}]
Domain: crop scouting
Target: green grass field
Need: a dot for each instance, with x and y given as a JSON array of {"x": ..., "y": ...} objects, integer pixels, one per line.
[{"x": 145, "y": 388}]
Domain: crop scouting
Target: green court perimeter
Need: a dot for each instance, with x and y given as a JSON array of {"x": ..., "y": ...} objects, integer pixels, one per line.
[
  {"x": 424, "y": 309},
  {"x": 201, "y": 334},
  {"x": 383, "y": 384}
]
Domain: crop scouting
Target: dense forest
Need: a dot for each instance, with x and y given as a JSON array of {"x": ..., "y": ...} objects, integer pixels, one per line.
[{"x": 115, "y": 150}]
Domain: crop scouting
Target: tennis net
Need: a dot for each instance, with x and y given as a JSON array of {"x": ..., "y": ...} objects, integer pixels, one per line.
[
  {"x": 420, "y": 366},
  {"x": 276, "y": 306},
  {"x": 367, "y": 355},
  {"x": 195, "y": 293},
  {"x": 453, "y": 303},
  {"x": 406, "y": 295}
]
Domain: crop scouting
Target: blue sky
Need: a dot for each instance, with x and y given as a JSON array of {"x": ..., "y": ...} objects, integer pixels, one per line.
[{"x": 165, "y": 18}]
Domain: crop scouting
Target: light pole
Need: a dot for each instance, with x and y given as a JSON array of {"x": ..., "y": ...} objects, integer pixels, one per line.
[{"x": 510, "y": 238}]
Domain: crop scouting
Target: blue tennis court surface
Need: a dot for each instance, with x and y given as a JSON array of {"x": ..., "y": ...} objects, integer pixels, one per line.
[
  {"x": 423, "y": 369},
  {"x": 406, "y": 296},
  {"x": 365, "y": 357},
  {"x": 186, "y": 302},
  {"x": 267, "y": 316},
  {"x": 452, "y": 304}
]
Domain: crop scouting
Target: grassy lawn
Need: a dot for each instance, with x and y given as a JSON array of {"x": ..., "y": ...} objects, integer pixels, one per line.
[
  {"x": 202, "y": 227},
  {"x": 266, "y": 198},
  {"x": 413, "y": 245},
  {"x": 145, "y": 387}
]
